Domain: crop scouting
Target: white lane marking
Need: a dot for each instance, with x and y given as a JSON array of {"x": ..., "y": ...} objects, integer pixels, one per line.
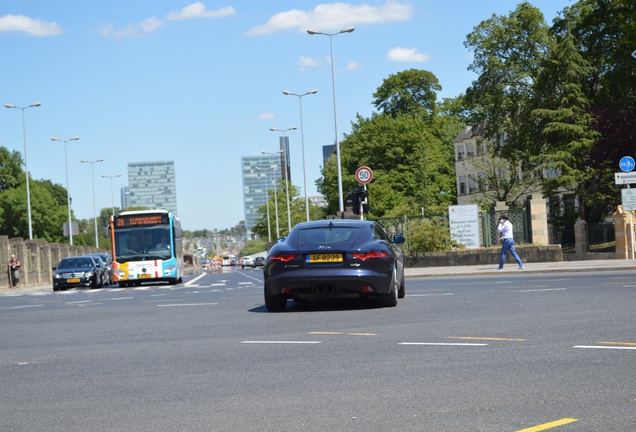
[
  {"x": 186, "y": 304},
  {"x": 191, "y": 281},
  {"x": 217, "y": 284},
  {"x": 80, "y": 301},
  {"x": 24, "y": 307},
  {"x": 121, "y": 298},
  {"x": 604, "y": 347},
  {"x": 429, "y": 295},
  {"x": 246, "y": 283},
  {"x": 539, "y": 290},
  {"x": 443, "y": 344},
  {"x": 281, "y": 342}
]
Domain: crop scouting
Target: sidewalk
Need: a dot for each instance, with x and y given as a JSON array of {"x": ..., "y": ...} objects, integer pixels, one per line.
[{"x": 510, "y": 269}]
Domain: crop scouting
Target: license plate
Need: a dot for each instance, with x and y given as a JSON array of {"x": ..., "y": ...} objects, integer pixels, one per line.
[
  {"x": 324, "y": 258},
  {"x": 145, "y": 276},
  {"x": 73, "y": 281}
]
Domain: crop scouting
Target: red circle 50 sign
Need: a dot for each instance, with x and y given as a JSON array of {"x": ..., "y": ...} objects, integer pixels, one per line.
[{"x": 364, "y": 174}]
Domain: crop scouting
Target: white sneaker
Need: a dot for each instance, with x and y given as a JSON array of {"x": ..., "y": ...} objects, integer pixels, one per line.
[
  {"x": 521, "y": 267},
  {"x": 498, "y": 269}
]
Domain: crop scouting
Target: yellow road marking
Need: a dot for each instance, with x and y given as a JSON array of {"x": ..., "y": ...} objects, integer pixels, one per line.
[
  {"x": 487, "y": 338},
  {"x": 618, "y": 343},
  {"x": 550, "y": 425}
]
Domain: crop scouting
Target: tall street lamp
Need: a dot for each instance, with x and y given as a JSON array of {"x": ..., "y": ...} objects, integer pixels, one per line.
[
  {"x": 26, "y": 163},
  {"x": 269, "y": 228},
  {"x": 275, "y": 196},
  {"x": 112, "y": 200},
  {"x": 275, "y": 206},
  {"x": 68, "y": 193},
  {"x": 286, "y": 185},
  {"x": 302, "y": 143},
  {"x": 286, "y": 173},
  {"x": 94, "y": 211},
  {"x": 335, "y": 113}
]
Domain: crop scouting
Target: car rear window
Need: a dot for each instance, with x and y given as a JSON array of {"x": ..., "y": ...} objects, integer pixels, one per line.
[{"x": 328, "y": 235}]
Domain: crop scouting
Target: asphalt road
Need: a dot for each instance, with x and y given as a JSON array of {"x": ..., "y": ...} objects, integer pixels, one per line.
[{"x": 522, "y": 352}]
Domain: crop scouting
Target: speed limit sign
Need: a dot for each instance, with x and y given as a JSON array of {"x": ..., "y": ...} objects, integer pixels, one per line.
[{"x": 364, "y": 174}]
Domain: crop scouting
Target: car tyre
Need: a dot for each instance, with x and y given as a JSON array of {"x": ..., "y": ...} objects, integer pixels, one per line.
[
  {"x": 275, "y": 303},
  {"x": 390, "y": 299},
  {"x": 402, "y": 290}
]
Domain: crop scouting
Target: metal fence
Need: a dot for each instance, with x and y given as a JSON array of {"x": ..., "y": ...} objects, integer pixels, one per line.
[{"x": 487, "y": 230}]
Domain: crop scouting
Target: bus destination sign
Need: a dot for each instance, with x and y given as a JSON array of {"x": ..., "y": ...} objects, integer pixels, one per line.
[{"x": 140, "y": 220}]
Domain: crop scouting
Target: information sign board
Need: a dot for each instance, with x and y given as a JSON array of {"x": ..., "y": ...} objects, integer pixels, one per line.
[
  {"x": 624, "y": 178},
  {"x": 629, "y": 199}
]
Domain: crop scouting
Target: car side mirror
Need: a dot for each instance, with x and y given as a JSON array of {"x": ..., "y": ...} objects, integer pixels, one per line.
[{"x": 398, "y": 239}]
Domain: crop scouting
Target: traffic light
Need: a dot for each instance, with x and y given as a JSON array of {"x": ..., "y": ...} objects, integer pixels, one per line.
[
  {"x": 363, "y": 198},
  {"x": 354, "y": 196}
]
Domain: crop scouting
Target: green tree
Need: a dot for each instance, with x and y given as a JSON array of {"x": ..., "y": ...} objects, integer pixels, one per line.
[
  {"x": 509, "y": 55},
  {"x": 47, "y": 216},
  {"x": 296, "y": 209},
  {"x": 566, "y": 125},
  {"x": 412, "y": 166},
  {"x": 11, "y": 174},
  {"x": 411, "y": 92}
]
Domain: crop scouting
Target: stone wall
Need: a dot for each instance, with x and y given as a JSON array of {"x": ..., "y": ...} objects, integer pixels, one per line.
[
  {"x": 37, "y": 259},
  {"x": 485, "y": 256}
]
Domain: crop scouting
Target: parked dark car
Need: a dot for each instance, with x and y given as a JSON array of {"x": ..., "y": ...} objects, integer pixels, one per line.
[
  {"x": 107, "y": 266},
  {"x": 335, "y": 259},
  {"x": 78, "y": 271},
  {"x": 258, "y": 262}
]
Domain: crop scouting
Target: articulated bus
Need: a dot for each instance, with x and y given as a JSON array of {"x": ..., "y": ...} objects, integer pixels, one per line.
[{"x": 146, "y": 247}]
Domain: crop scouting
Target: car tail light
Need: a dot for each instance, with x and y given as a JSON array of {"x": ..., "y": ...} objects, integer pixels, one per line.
[
  {"x": 282, "y": 257},
  {"x": 366, "y": 255},
  {"x": 366, "y": 289}
]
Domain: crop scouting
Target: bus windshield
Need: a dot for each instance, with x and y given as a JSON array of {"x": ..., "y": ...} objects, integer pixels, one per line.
[{"x": 142, "y": 243}]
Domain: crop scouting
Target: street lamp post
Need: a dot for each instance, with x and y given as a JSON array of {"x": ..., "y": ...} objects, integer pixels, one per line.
[
  {"x": 302, "y": 143},
  {"x": 112, "y": 200},
  {"x": 68, "y": 193},
  {"x": 26, "y": 163},
  {"x": 286, "y": 175},
  {"x": 94, "y": 211},
  {"x": 269, "y": 228},
  {"x": 335, "y": 113}
]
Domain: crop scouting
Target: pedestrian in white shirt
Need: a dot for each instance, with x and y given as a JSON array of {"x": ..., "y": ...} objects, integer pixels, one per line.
[{"x": 507, "y": 242}]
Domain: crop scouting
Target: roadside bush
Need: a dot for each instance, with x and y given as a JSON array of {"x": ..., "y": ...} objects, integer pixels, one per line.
[{"x": 427, "y": 236}]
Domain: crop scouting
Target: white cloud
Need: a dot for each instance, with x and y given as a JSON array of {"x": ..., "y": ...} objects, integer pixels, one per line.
[
  {"x": 265, "y": 116},
  {"x": 194, "y": 10},
  {"x": 334, "y": 16},
  {"x": 197, "y": 10},
  {"x": 407, "y": 55},
  {"x": 352, "y": 66},
  {"x": 20, "y": 23},
  {"x": 133, "y": 30},
  {"x": 305, "y": 63}
]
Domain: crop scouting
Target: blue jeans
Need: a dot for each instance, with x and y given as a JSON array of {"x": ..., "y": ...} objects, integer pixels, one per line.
[{"x": 508, "y": 245}]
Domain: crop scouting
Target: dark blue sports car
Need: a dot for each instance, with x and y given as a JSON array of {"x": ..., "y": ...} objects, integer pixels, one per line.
[{"x": 335, "y": 259}]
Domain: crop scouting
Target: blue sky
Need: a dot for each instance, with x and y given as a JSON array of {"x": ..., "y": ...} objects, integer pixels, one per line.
[{"x": 201, "y": 83}]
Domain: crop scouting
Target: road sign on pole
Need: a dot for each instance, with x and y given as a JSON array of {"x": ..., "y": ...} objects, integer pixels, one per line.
[
  {"x": 627, "y": 163},
  {"x": 364, "y": 174},
  {"x": 624, "y": 178}
]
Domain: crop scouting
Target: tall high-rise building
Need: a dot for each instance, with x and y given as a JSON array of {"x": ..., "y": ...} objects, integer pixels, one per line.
[
  {"x": 260, "y": 175},
  {"x": 152, "y": 185}
]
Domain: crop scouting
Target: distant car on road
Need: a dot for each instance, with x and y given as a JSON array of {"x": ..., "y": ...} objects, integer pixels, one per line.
[
  {"x": 335, "y": 259},
  {"x": 78, "y": 271},
  {"x": 107, "y": 266},
  {"x": 258, "y": 262},
  {"x": 246, "y": 261}
]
